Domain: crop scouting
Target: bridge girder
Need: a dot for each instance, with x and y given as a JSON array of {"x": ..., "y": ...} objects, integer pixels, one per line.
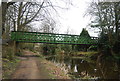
[{"x": 37, "y": 37}]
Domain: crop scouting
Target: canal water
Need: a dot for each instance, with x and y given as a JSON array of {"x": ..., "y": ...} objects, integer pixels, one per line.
[{"x": 80, "y": 68}]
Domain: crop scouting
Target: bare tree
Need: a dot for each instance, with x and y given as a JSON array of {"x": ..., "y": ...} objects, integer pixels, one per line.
[
  {"x": 48, "y": 26},
  {"x": 21, "y": 14},
  {"x": 5, "y": 6},
  {"x": 107, "y": 19}
]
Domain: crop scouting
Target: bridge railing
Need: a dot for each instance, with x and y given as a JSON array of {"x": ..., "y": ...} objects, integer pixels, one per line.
[{"x": 37, "y": 37}]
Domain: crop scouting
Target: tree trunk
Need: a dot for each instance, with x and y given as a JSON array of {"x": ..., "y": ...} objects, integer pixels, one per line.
[
  {"x": 4, "y": 10},
  {"x": 5, "y": 6},
  {"x": 116, "y": 10}
]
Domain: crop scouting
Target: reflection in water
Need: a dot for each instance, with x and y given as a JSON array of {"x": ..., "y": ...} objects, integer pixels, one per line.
[
  {"x": 80, "y": 68},
  {"x": 75, "y": 68}
]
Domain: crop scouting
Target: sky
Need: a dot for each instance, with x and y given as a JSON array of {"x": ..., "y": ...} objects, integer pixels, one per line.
[
  {"x": 74, "y": 19},
  {"x": 71, "y": 19}
]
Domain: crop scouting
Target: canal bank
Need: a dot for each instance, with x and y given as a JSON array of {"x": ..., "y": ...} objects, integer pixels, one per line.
[{"x": 87, "y": 67}]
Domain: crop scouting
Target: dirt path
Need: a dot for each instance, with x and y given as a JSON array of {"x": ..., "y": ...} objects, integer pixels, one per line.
[{"x": 30, "y": 68}]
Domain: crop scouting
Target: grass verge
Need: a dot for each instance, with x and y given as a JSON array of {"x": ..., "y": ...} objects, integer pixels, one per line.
[
  {"x": 53, "y": 71},
  {"x": 8, "y": 67}
]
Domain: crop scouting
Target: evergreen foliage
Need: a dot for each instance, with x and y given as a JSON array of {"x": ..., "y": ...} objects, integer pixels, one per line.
[{"x": 84, "y": 33}]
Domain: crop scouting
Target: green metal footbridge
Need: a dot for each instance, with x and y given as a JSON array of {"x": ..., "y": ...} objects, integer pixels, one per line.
[{"x": 37, "y": 37}]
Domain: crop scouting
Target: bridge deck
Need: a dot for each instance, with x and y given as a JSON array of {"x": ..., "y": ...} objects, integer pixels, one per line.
[{"x": 37, "y": 37}]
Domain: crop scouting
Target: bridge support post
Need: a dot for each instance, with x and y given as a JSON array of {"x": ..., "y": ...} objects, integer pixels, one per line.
[
  {"x": 15, "y": 47},
  {"x": 73, "y": 47}
]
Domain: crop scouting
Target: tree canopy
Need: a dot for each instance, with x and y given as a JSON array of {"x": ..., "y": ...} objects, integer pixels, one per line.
[{"x": 107, "y": 19}]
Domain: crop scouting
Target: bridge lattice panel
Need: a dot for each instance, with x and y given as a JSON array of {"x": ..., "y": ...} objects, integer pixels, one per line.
[{"x": 36, "y": 37}]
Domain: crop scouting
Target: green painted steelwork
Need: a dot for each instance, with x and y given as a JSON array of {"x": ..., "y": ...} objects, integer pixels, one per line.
[{"x": 37, "y": 37}]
